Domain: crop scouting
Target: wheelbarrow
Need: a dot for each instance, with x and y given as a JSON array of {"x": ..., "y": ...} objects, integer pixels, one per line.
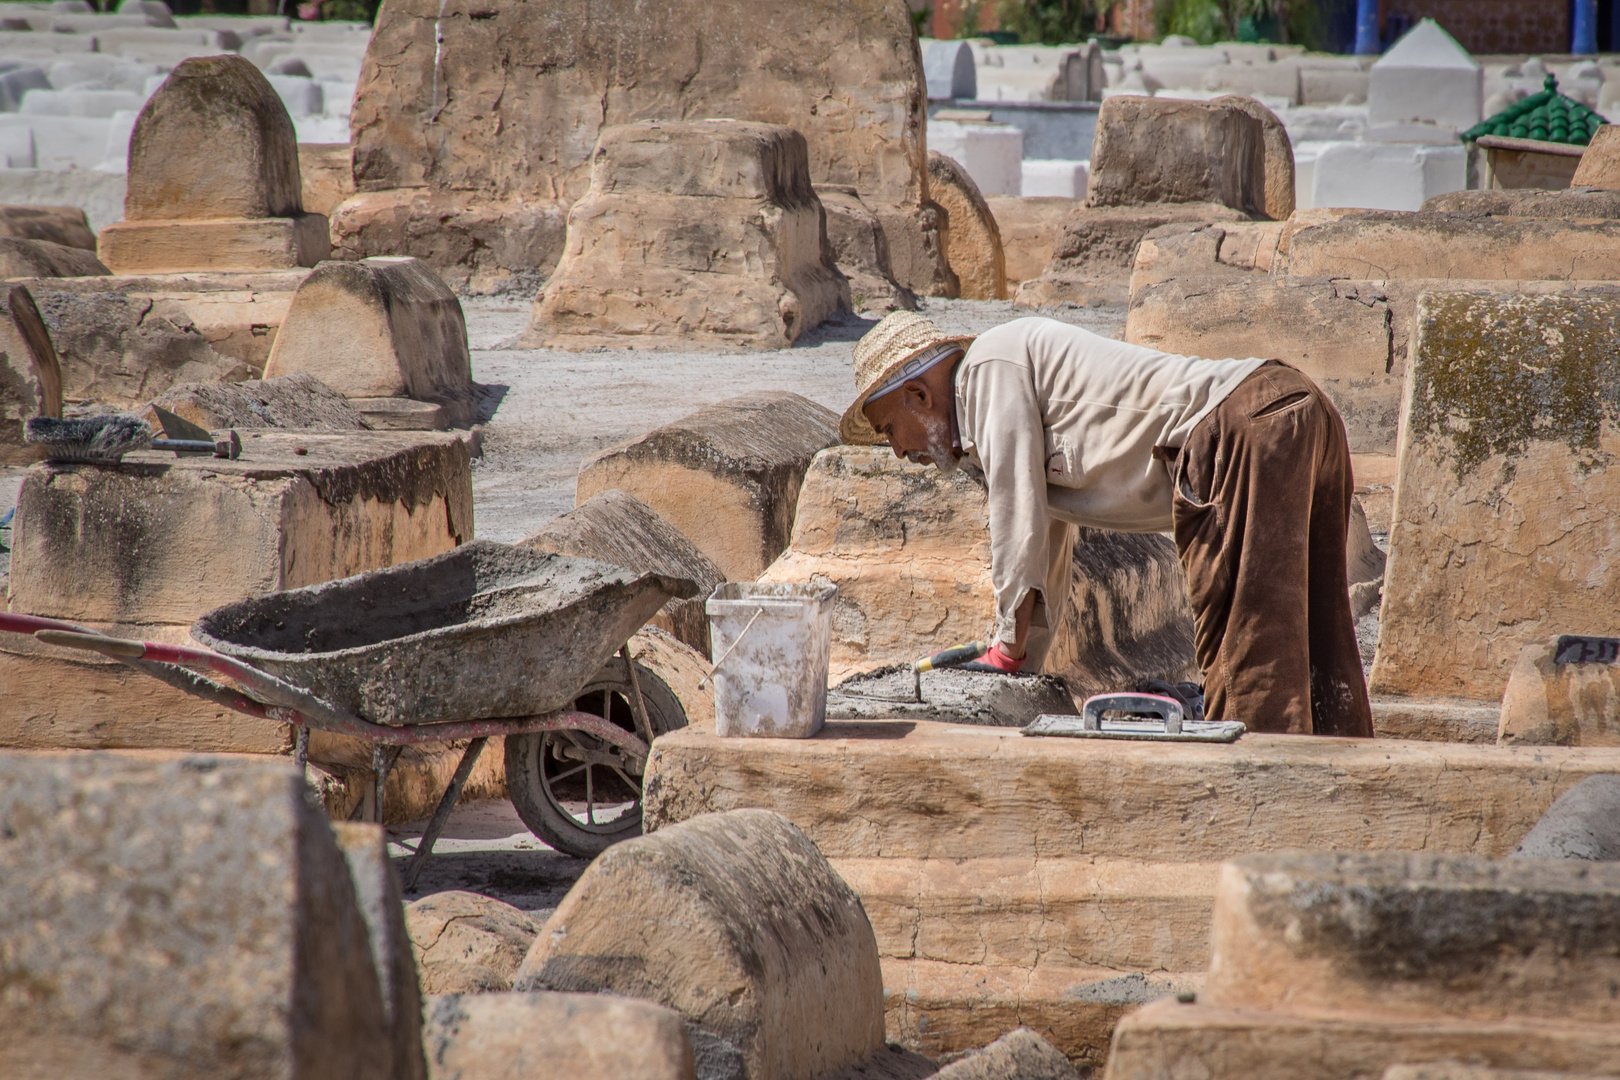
[{"x": 483, "y": 641}]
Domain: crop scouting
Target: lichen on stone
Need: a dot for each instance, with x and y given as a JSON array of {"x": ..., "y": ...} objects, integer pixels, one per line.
[{"x": 1495, "y": 374}]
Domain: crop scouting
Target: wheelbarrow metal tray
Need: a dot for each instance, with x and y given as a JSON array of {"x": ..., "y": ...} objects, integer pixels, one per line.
[{"x": 486, "y": 630}]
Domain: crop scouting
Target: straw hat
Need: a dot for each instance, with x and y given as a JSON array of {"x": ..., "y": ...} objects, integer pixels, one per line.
[{"x": 879, "y": 355}]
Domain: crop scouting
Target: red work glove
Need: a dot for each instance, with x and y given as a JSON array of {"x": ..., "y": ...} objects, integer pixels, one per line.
[{"x": 1000, "y": 660}]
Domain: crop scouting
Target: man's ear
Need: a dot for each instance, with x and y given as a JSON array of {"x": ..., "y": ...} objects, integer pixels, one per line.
[{"x": 919, "y": 393}]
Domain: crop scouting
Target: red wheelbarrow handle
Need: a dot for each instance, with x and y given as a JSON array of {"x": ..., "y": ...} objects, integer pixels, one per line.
[{"x": 288, "y": 703}]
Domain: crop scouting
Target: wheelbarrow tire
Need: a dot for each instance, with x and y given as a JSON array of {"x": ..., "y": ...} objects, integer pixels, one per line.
[{"x": 532, "y": 761}]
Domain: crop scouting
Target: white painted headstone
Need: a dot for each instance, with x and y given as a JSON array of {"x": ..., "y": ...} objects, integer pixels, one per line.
[
  {"x": 1427, "y": 76},
  {"x": 1054, "y": 178},
  {"x": 949, "y": 68},
  {"x": 1385, "y": 176}
]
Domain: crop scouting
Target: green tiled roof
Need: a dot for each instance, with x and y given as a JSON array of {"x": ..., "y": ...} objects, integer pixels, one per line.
[{"x": 1548, "y": 116}]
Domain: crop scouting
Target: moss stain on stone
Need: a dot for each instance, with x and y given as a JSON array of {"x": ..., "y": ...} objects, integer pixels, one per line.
[{"x": 1494, "y": 375}]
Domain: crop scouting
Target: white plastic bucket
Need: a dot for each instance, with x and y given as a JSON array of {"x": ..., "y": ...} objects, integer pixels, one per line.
[{"x": 771, "y": 643}]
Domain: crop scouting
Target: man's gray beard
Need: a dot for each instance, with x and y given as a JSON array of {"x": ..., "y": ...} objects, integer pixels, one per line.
[{"x": 939, "y": 445}]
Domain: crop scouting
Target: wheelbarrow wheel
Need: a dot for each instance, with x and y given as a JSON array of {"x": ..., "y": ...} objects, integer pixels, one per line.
[{"x": 576, "y": 792}]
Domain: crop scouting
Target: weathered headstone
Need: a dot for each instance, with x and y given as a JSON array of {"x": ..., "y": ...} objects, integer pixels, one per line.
[
  {"x": 1277, "y": 196},
  {"x": 972, "y": 239},
  {"x": 618, "y": 528},
  {"x": 1164, "y": 150},
  {"x": 441, "y": 129},
  {"x": 1564, "y": 691},
  {"x": 775, "y": 970},
  {"x": 1426, "y": 77},
  {"x": 1501, "y": 534},
  {"x": 376, "y": 330},
  {"x": 949, "y": 68},
  {"x": 579, "y": 1036},
  {"x": 220, "y": 938},
  {"x": 465, "y": 943},
  {"x": 30, "y": 376},
  {"x": 213, "y": 178},
  {"x": 727, "y": 476},
  {"x": 701, "y": 233}
]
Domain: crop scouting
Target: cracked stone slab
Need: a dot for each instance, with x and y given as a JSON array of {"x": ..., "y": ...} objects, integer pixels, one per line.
[{"x": 950, "y": 695}]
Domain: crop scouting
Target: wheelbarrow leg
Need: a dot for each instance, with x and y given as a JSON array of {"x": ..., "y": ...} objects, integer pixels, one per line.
[
  {"x": 382, "y": 761},
  {"x": 441, "y": 814},
  {"x": 301, "y": 747}
]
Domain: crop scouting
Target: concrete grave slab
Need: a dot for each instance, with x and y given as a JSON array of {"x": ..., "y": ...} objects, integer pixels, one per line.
[
  {"x": 1590, "y": 202},
  {"x": 728, "y": 476},
  {"x": 1382, "y": 245},
  {"x": 618, "y": 528},
  {"x": 1498, "y": 539},
  {"x": 989, "y": 152},
  {"x": 777, "y": 972},
  {"x": 580, "y": 1036},
  {"x": 694, "y": 233},
  {"x": 221, "y": 938},
  {"x": 1167, "y": 1037},
  {"x": 972, "y": 238},
  {"x": 379, "y": 328},
  {"x": 213, "y": 178}
]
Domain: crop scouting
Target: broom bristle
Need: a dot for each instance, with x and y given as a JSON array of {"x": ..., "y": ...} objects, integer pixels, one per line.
[{"x": 89, "y": 438}]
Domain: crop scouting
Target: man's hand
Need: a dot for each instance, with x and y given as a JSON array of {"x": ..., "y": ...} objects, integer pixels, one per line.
[{"x": 1001, "y": 661}]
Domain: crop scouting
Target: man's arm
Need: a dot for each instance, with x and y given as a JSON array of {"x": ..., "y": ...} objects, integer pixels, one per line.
[{"x": 1010, "y": 439}]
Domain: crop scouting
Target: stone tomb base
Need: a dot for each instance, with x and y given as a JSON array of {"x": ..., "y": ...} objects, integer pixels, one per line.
[
  {"x": 1061, "y": 882},
  {"x": 701, "y": 233},
  {"x": 157, "y": 247}
]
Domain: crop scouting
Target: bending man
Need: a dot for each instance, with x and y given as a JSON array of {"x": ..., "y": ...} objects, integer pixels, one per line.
[{"x": 1246, "y": 462}]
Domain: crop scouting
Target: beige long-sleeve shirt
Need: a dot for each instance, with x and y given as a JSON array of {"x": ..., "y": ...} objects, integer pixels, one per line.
[{"x": 1063, "y": 423}]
